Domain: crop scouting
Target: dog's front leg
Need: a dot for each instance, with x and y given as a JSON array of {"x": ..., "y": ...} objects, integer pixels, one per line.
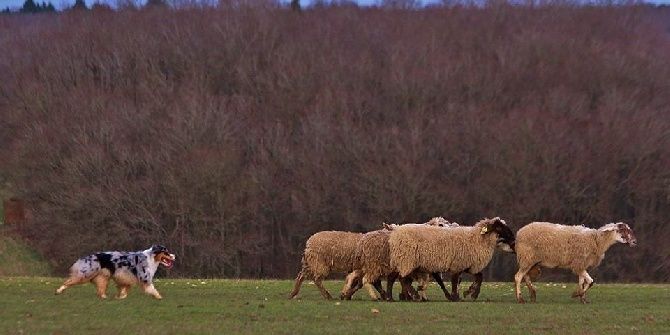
[{"x": 151, "y": 290}]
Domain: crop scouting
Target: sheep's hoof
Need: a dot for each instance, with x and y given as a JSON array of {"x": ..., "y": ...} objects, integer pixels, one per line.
[
  {"x": 520, "y": 300},
  {"x": 342, "y": 296},
  {"x": 584, "y": 301},
  {"x": 576, "y": 294}
]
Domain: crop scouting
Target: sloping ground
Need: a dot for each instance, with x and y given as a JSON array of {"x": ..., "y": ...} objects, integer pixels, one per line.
[{"x": 17, "y": 259}]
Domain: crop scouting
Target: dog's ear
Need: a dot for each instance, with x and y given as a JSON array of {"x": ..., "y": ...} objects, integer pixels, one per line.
[{"x": 157, "y": 248}]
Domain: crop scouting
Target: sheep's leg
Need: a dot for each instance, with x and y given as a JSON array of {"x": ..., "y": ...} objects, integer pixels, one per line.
[
  {"x": 518, "y": 277},
  {"x": 298, "y": 282},
  {"x": 390, "y": 280},
  {"x": 579, "y": 292},
  {"x": 348, "y": 284},
  {"x": 319, "y": 283},
  {"x": 371, "y": 291},
  {"x": 588, "y": 285},
  {"x": 351, "y": 285},
  {"x": 404, "y": 293},
  {"x": 421, "y": 287},
  {"x": 359, "y": 283},
  {"x": 413, "y": 294},
  {"x": 476, "y": 286},
  {"x": 455, "y": 281},
  {"x": 378, "y": 286},
  {"x": 408, "y": 290},
  {"x": 531, "y": 288},
  {"x": 585, "y": 282},
  {"x": 589, "y": 281},
  {"x": 437, "y": 277}
]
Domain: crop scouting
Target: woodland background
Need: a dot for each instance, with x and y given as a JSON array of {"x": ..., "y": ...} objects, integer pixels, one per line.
[{"x": 231, "y": 133}]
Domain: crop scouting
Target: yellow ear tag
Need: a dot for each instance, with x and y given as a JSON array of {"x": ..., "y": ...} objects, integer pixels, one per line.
[{"x": 484, "y": 230}]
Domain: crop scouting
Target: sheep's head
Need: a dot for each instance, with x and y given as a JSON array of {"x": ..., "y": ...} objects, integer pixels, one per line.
[
  {"x": 387, "y": 226},
  {"x": 441, "y": 222},
  {"x": 505, "y": 237},
  {"x": 624, "y": 234},
  {"x": 437, "y": 221}
]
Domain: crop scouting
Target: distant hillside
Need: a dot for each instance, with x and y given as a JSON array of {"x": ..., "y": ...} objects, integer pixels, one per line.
[{"x": 17, "y": 259}]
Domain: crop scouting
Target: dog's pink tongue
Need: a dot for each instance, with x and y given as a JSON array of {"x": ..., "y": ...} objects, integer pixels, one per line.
[{"x": 170, "y": 264}]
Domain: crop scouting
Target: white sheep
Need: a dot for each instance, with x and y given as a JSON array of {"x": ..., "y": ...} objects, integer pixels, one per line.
[
  {"x": 455, "y": 250},
  {"x": 326, "y": 252},
  {"x": 371, "y": 264},
  {"x": 577, "y": 248}
]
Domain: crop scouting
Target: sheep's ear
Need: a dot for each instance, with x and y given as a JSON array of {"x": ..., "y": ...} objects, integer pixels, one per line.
[
  {"x": 611, "y": 227},
  {"x": 387, "y": 226},
  {"x": 484, "y": 230}
]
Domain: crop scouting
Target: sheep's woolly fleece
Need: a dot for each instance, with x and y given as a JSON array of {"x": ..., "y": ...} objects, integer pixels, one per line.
[
  {"x": 435, "y": 249},
  {"x": 570, "y": 247},
  {"x": 330, "y": 252}
]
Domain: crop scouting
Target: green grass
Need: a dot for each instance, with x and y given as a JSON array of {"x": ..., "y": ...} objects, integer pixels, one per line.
[
  {"x": 16, "y": 259},
  {"x": 28, "y": 306}
]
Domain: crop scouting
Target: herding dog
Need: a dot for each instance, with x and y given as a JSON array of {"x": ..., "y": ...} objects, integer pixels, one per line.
[{"x": 125, "y": 268}]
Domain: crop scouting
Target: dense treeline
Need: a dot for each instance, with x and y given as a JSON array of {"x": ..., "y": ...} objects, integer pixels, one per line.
[{"x": 232, "y": 134}]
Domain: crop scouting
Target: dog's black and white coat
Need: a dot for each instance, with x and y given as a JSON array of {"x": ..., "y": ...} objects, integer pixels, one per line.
[{"x": 125, "y": 268}]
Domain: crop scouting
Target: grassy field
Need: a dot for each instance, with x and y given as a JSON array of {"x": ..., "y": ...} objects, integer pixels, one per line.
[{"x": 193, "y": 306}]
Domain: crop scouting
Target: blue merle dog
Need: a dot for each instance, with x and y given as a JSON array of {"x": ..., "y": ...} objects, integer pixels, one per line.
[{"x": 125, "y": 268}]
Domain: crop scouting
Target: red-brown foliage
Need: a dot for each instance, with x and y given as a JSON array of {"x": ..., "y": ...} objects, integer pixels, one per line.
[{"x": 232, "y": 135}]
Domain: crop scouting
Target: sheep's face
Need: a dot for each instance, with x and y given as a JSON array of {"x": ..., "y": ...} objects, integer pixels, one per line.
[
  {"x": 439, "y": 222},
  {"x": 625, "y": 234},
  {"x": 505, "y": 240}
]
